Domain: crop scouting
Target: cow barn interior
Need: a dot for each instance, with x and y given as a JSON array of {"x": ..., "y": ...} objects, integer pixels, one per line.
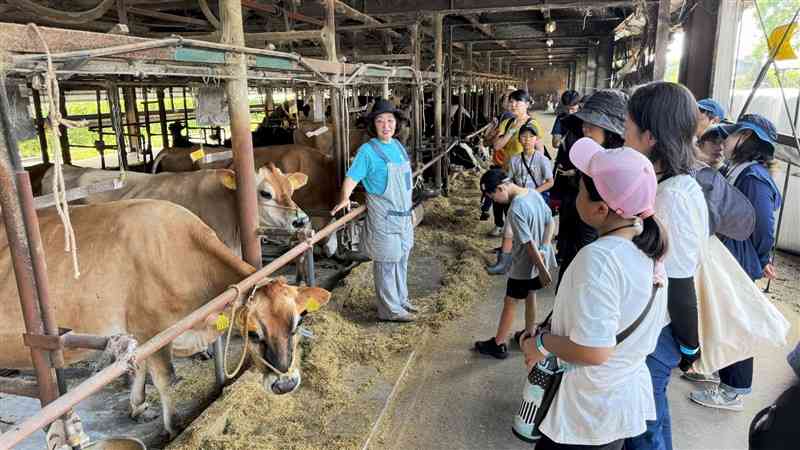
[{"x": 262, "y": 105}]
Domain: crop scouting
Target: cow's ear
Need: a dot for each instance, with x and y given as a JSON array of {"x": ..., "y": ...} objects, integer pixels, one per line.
[
  {"x": 228, "y": 179},
  {"x": 297, "y": 180},
  {"x": 310, "y": 299}
]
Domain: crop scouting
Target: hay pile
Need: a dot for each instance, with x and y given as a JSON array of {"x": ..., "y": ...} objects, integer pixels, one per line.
[{"x": 351, "y": 356}]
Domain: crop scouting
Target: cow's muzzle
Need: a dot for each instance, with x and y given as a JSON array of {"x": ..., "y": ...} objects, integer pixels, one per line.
[{"x": 282, "y": 384}]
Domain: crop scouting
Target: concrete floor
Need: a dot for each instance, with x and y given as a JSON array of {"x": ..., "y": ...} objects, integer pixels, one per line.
[{"x": 455, "y": 398}]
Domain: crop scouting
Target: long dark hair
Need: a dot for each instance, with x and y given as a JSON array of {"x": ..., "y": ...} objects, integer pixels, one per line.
[
  {"x": 652, "y": 242},
  {"x": 612, "y": 140},
  {"x": 753, "y": 149},
  {"x": 669, "y": 112}
]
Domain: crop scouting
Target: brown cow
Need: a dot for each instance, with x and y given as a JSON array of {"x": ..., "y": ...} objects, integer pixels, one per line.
[
  {"x": 211, "y": 194},
  {"x": 144, "y": 265}
]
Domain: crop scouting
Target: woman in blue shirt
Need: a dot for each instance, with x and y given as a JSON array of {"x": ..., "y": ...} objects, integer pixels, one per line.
[
  {"x": 749, "y": 148},
  {"x": 382, "y": 166}
]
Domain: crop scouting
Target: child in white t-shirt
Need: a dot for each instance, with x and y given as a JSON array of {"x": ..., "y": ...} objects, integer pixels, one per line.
[{"x": 611, "y": 289}]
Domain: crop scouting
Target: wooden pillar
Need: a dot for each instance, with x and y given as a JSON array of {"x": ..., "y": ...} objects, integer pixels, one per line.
[
  {"x": 699, "y": 46},
  {"x": 438, "y": 34},
  {"x": 241, "y": 139},
  {"x": 40, "y": 130},
  {"x": 662, "y": 40},
  {"x": 64, "y": 138},
  {"x": 162, "y": 117},
  {"x": 341, "y": 148}
]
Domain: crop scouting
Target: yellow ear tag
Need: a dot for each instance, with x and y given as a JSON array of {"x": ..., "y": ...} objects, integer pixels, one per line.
[
  {"x": 312, "y": 305},
  {"x": 222, "y": 322},
  {"x": 197, "y": 155}
]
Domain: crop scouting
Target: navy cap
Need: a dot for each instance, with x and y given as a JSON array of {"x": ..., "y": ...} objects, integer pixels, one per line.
[
  {"x": 529, "y": 128},
  {"x": 712, "y": 106},
  {"x": 758, "y": 124},
  {"x": 493, "y": 178},
  {"x": 713, "y": 133}
]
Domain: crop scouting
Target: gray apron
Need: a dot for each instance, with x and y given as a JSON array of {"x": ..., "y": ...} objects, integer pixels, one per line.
[{"x": 389, "y": 230}]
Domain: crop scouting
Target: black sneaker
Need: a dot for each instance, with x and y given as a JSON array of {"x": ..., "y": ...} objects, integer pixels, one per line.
[
  {"x": 518, "y": 335},
  {"x": 490, "y": 347}
]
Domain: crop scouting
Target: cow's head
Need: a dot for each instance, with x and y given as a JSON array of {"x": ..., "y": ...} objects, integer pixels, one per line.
[
  {"x": 276, "y": 209},
  {"x": 276, "y": 312}
]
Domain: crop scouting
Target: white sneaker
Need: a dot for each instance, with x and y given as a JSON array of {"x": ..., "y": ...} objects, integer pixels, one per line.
[{"x": 496, "y": 232}]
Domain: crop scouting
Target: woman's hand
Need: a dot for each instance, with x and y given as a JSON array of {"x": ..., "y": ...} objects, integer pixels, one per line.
[
  {"x": 545, "y": 278},
  {"x": 343, "y": 204},
  {"x": 770, "y": 272},
  {"x": 528, "y": 345}
]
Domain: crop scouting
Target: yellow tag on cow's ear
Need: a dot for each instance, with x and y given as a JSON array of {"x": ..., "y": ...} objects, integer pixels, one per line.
[
  {"x": 197, "y": 155},
  {"x": 222, "y": 323},
  {"x": 312, "y": 305}
]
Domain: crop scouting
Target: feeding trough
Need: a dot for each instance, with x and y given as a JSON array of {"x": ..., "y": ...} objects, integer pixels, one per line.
[{"x": 120, "y": 443}]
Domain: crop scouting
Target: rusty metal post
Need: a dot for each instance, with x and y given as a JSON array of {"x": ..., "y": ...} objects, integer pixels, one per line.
[
  {"x": 241, "y": 139},
  {"x": 20, "y": 248},
  {"x": 149, "y": 149},
  {"x": 40, "y": 130},
  {"x": 64, "y": 138},
  {"x": 162, "y": 118},
  {"x": 438, "y": 32}
]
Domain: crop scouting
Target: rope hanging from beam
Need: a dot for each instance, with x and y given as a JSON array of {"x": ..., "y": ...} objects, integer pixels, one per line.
[{"x": 64, "y": 17}]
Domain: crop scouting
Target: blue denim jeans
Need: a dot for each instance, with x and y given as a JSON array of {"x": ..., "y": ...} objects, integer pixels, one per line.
[{"x": 660, "y": 363}]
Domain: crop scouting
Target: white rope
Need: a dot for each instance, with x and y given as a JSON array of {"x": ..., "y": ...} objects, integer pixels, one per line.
[{"x": 55, "y": 119}]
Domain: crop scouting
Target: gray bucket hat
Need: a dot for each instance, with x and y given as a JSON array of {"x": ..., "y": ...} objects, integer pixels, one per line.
[{"x": 605, "y": 109}]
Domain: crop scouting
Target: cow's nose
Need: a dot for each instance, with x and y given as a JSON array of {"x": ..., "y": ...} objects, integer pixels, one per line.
[
  {"x": 284, "y": 385},
  {"x": 300, "y": 222}
]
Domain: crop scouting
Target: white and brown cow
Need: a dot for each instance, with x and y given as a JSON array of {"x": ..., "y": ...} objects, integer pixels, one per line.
[
  {"x": 140, "y": 283},
  {"x": 210, "y": 194}
]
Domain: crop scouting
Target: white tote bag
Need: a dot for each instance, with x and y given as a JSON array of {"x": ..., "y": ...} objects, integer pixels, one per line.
[{"x": 736, "y": 318}]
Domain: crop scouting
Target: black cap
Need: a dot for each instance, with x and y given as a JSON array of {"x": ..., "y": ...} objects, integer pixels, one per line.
[
  {"x": 384, "y": 106},
  {"x": 493, "y": 178},
  {"x": 520, "y": 95},
  {"x": 529, "y": 128}
]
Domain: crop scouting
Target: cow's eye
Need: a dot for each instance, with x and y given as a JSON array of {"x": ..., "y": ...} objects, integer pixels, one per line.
[{"x": 266, "y": 194}]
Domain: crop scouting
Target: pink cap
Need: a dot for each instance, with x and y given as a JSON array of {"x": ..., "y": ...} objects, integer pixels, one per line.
[{"x": 624, "y": 178}]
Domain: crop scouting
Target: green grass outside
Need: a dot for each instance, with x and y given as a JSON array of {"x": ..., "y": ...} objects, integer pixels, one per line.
[{"x": 82, "y": 136}]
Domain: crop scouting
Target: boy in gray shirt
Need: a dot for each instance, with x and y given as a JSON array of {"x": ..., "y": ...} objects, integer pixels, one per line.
[{"x": 532, "y": 223}]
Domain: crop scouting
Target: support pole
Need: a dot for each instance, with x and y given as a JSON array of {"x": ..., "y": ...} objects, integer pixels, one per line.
[
  {"x": 662, "y": 40},
  {"x": 132, "y": 118},
  {"x": 416, "y": 91},
  {"x": 40, "y": 131},
  {"x": 20, "y": 249},
  {"x": 64, "y": 131},
  {"x": 438, "y": 31},
  {"x": 241, "y": 139},
  {"x": 341, "y": 146},
  {"x": 100, "y": 144},
  {"x": 116, "y": 122},
  {"x": 162, "y": 117}
]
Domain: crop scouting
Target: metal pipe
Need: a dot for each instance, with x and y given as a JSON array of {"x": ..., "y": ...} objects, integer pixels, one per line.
[
  {"x": 241, "y": 138},
  {"x": 311, "y": 277},
  {"x": 438, "y": 24},
  {"x": 116, "y": 123},
  {"x": 162, "y": 118},
  {"x": 90, "y": 341},
  {"x": 38, "y": 261},
  {"x": 100, "y": 130},
  {"x": 63, "y": 130},
  {"x": 20, "y": 250},
  {"x": 219, "y": 362},
  {"x": 100, "y": 52}
]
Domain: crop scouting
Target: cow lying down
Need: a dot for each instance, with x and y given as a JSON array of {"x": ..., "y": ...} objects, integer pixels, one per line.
[{"x": 145, "y": 264}]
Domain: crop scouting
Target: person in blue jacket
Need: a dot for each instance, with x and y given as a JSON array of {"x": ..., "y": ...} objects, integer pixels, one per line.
[{"x": 750, "y": 149}]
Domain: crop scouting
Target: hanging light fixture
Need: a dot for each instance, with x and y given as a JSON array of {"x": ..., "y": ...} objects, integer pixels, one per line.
[
  {"x": 549, "y": 42},
  {"x": 551, "y": 63},
  {"x": 549, "y": 56},
  {"x": 550, "y": 26}
]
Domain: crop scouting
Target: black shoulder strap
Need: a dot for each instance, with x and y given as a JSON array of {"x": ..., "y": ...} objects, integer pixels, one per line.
[
  {"x": 528, "y": 168},
  {"x": 627, "y": 331}
]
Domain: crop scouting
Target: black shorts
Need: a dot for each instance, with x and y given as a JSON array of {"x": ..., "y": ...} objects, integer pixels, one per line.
[{"x": 519, "y": 289}]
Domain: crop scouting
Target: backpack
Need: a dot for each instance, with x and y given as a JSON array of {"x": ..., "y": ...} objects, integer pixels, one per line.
[
  {"x": 730, "y": 213},
  {"x": 775, "y": 427}
]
